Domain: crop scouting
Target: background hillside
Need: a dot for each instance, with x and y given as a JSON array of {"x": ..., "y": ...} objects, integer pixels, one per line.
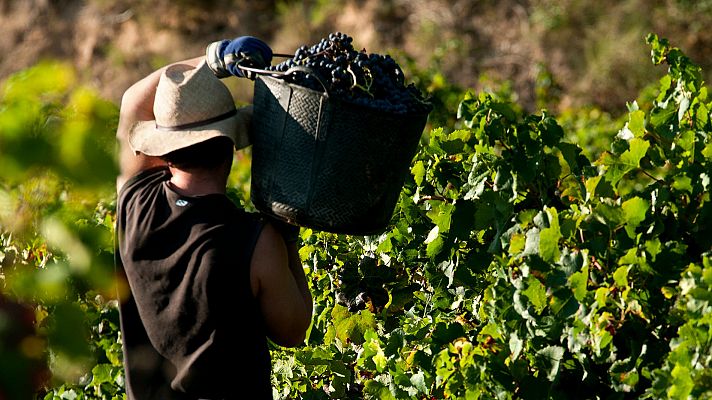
[{"x": 576, "y": 52}]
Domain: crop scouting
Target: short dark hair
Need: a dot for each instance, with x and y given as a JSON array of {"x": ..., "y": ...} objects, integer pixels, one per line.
[{"x": 208, "y": 154}]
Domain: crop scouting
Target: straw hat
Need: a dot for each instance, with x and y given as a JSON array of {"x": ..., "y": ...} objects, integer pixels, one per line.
[{"x": 191, "y": 106}]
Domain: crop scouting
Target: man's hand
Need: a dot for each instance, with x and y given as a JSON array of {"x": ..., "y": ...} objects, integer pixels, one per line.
[{"x": 225, "y": 57}]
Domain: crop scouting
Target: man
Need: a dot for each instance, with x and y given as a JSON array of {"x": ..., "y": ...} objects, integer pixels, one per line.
[{"x": 209, "y": 283}]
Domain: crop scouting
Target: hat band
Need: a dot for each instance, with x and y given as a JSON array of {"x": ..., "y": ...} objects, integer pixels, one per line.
[{"x": 197, "y": 124}]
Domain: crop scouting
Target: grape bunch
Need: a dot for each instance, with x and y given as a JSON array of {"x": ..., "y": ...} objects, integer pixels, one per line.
[{"x": 370, "y": 80}]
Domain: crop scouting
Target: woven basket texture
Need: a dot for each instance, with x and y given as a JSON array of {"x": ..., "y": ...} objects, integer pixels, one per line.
[{"x": 328, "y": 164}]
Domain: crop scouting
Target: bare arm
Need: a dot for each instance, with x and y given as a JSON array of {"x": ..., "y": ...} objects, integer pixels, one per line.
[
  {"x": 137, "y": 105},
  {"x": 281, "y": 288}
]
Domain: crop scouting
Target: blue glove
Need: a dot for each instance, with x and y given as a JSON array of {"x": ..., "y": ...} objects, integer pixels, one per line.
[{"x": 225, "y": 57}]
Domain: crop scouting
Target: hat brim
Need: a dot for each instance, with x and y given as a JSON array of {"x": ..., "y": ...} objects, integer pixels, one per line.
[{"x": 146, "y": 138}]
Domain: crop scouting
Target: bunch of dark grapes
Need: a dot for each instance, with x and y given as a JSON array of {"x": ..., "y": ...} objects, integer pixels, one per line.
[{"x": 371, "y": 80}]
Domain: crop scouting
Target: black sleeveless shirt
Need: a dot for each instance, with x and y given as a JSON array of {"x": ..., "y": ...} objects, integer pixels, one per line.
[{"x": 190, "y": 326}]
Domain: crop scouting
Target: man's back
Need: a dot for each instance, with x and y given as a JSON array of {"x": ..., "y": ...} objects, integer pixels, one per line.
[{"x": 187, "y": 261}]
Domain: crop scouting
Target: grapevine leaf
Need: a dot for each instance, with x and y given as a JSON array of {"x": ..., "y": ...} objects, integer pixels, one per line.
[
  {"x": 504, "y": 109},
  {"x": 372, "y": 351},
  {"x": 101, "y": 373},
  {"x": 377, "y": 390},
  {"x": 662, "y": 118},
  {"x": 578, "y": 282},
  {"x": 454, "y": 143},
  {"x": 516, "y": 243},
  {"x": 434, "y": 242},
  {"x": 620, "y": 277},
  {"x": 636, "y": 123},
  {"x": 617, "y": 167},
  {"x": 686, "y": 142},
  {"x": 351, "y": 327},
  {"x": 707, "y": 151},
  {"x": 418, "y": 172},
  {"x": 551, "y": 132},
  {"x": 573, "y": 156},
  {"x": 601, "y": 296},
  {"x": 634, "y": 210},
  {"x": 515, "y": 345},
  {"x": 609, "y": 214},
  {"x": 683, "y": 184},
  {"x": 441, "y": 215},
  {"x": 485, "y": 215},
  {"x": 490, "y": 330},
  {"x": 549, "y": 359},
  {"x": 448, "y": 269},
  {"x": 418, "y": 381},
  {"x": 682, "y": 382},
  {"x": 549, "y": 237},
  {"x": 536, "y": 293},
  {"x": 531, "y": 245},
  {"x": 598, "y": 187}
]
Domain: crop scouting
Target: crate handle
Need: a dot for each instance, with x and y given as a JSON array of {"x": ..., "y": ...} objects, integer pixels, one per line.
[{"x": 290, "y": 71}]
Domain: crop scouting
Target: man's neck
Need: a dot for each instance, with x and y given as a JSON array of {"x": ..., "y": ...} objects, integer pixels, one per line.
[{"x": 196, "y": 182}]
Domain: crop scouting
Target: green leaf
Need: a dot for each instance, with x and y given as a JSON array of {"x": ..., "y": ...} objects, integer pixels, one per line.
[
  {"x": 620, "y": 277},
  {"x": 682, "y": 383},
  {"x": 492, "y": 330},
  {"x": 609, "y": 214},
  {"x": 418, "y": 171},
  {"x": 662, "y": 118},
  {"x": 351, "y": 327},
  {"x": 447, "y": 332},
  {"x": 707, "y": 151},
  {"x": 536, "y": 293},
  {"x": 601, "y": 296},
  {"x": 634, "y": 210},
  {"x": 578, "y": 283},
  {"x": 551, "y": 132},
  {"x": 636, "y": 123},
  {"x": 434, "y": 242},
  {"x": 549, "y": 237},
  {"x": 515, "y": 345},
  {"x": 377, "y": 390},
  {"x": 531, "y": 245},
  {"x": 549, "y": 359},
  {"x": 683, "y": 184},
  {"x": 516, "y": 243},
  {"x": 573, "y": 157},
  {"x": 418, "y": 381},
  {"x": 617, "y": 167},
  {"x": 441, "y": 215},
  {"x": 373, "y": 352},
  {"x": 686, "y": 141}
]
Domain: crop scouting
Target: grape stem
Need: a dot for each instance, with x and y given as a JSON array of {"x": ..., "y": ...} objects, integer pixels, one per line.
[{"x": 368, "y": 80}]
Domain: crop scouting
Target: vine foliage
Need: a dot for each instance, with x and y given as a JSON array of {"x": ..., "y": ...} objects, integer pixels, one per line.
[{"x": 517, "y": 267}]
